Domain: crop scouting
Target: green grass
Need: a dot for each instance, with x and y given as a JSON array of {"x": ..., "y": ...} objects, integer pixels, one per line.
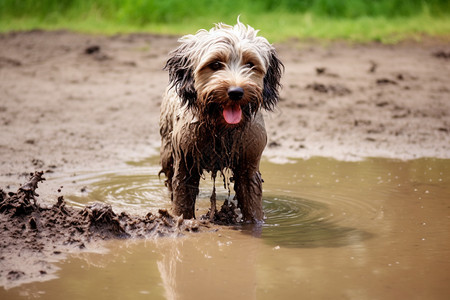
[{"x": 356, "y": 20}]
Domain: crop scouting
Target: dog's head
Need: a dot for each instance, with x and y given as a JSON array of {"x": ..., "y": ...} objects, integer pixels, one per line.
[{"x": 225, "y": 74}]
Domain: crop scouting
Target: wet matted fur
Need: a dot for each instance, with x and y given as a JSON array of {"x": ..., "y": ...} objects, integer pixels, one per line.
[{"x": 211, "y": 117}]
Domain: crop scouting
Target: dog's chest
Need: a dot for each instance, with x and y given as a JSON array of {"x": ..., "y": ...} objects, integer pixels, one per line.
[
  {"x": 209, "y": 149},
  {"x": 219, "y": 150}
]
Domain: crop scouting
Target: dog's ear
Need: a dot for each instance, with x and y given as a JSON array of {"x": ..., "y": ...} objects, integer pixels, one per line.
[
  {"x": 272, "y": 81},
  {"x": 181, "y": 76}
]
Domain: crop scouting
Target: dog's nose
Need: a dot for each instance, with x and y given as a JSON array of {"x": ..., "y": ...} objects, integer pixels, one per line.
[{"x": 235, "y": 93}]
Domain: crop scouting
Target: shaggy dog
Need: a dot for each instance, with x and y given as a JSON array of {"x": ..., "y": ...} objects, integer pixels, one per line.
[{"x": 211, "y": 117}]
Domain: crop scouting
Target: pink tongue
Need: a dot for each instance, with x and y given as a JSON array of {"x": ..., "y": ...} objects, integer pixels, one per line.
[{"x": 232, "y": 114}]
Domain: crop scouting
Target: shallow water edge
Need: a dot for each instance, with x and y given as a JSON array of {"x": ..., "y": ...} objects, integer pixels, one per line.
[{"x": 369, "y": 229}]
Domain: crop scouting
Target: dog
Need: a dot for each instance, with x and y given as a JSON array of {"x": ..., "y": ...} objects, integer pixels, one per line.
[{"x": 211, "y": 115}]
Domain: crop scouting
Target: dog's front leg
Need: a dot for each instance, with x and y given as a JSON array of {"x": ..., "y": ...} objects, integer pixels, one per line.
[
  {"x": 185, "y": 183},
  {"x": 247, "y": 178},
  {"x": 248, "y": 187}
]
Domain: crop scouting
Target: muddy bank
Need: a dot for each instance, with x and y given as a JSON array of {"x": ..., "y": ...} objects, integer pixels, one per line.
[{"x": 34, "y": 234}]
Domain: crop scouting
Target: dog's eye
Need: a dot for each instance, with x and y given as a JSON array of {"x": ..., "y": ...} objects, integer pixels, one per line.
[
  {"x": 217, "y": 65},
  {"x": 249, "y": 65}
]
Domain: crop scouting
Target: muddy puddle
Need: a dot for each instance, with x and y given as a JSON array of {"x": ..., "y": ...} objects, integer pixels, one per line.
[{"x": 372, "y": 229}]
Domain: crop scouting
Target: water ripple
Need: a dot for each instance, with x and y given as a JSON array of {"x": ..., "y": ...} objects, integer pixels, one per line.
[
  {"x": 290, "y": 221},
  {"x": 297, "y": 222},
  {"x": 132, "y": 189}
]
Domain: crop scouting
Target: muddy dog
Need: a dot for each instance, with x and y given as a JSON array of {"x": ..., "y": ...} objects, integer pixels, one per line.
[{"x": 211, "y": 117}]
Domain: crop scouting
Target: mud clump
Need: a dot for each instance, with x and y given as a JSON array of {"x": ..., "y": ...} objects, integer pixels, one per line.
[
  {"x": 228, "y": 215},
  {"x": 334, "y": 89},
  {"x": 92, "y": 49},
  {"x": 386, "y": 81},
  {"x": 442, "y": 54},
  {"x": 37, "y": 233},
  {"x": 95, "y": 52}
]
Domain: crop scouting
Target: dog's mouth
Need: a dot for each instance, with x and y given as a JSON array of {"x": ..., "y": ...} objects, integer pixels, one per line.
[{"x": 232, "y": 113}]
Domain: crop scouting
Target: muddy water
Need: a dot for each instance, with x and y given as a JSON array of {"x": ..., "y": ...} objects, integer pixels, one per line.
[{"x": 375, "y": 229}]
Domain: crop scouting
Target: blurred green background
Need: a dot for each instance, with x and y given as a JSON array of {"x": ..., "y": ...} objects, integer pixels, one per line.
[{"x": 360, "y": 20}]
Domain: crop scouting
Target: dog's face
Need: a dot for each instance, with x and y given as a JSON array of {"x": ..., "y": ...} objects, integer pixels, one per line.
[{"x": 226, "y": 74}]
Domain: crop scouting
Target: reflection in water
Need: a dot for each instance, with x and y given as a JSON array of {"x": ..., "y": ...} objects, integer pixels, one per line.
[
  {"x": 167, "y": 266},
  {"x": 195, "y": 267}
]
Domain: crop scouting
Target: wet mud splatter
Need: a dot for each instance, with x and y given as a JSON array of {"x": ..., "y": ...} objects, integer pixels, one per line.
[{"x": 40, "y": 234}]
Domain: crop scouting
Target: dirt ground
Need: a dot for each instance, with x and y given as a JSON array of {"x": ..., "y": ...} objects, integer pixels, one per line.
[
  {"x": 73, "y": 102},
  {"x": 65, "y": 110}
]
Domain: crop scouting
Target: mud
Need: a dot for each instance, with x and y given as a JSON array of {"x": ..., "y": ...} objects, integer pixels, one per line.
[
  {"x": 73, "y": 103},
  {"x": 33, "y": 234}
]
